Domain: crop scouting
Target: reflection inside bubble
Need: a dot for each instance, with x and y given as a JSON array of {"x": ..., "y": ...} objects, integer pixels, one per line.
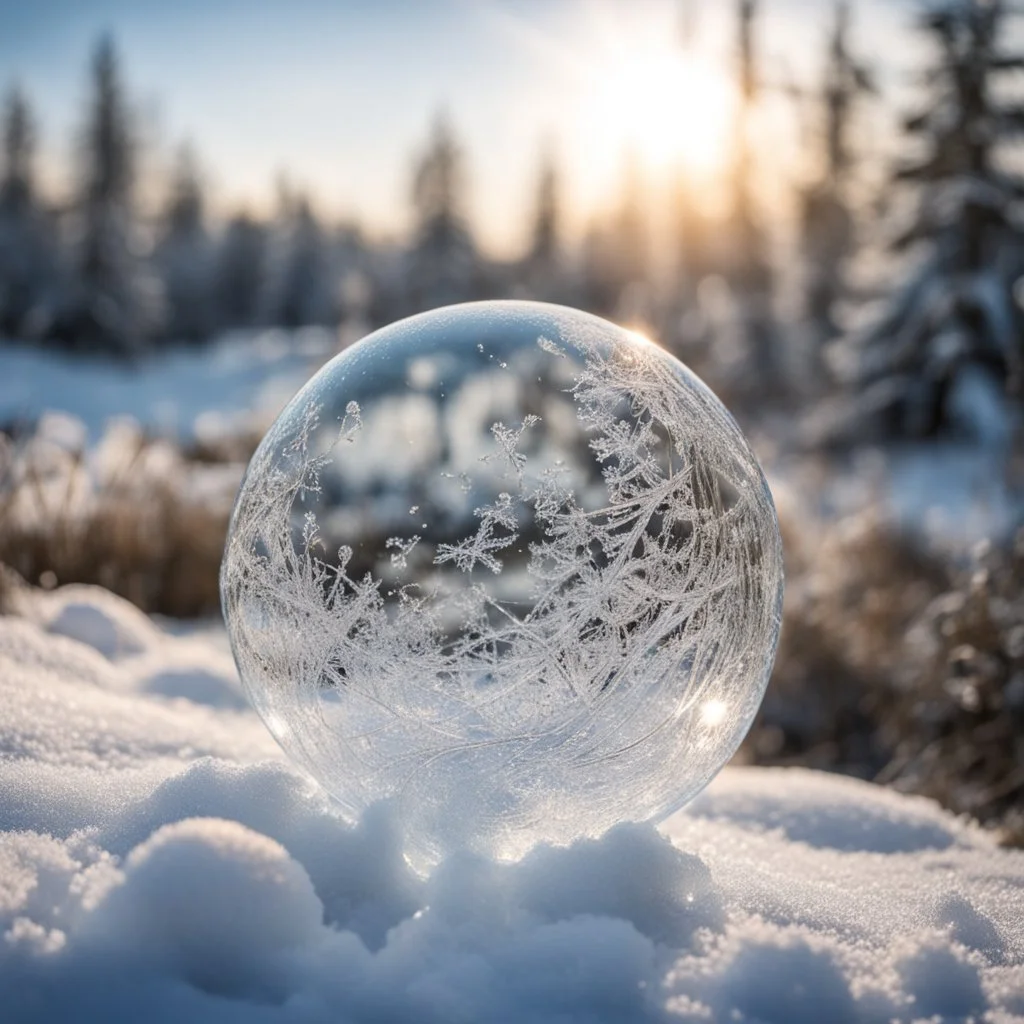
[{"x": 507, "y": 564}]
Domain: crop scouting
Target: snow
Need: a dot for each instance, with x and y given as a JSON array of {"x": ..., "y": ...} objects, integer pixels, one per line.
[
  {"x": 960, "y": 494},
  {"x": 237, "y": 383},
  {"x": 160, "y": 861}
]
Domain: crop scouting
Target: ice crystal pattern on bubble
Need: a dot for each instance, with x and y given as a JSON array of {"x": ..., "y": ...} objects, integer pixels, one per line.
[{"x": 496, "y": 719}]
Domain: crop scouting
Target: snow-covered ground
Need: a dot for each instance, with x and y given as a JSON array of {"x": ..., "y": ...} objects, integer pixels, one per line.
[
  {"x": 159, "y": 861},
  {"x": 237, "y": 384}
]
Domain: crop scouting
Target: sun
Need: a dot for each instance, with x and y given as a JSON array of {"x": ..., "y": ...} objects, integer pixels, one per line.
[{"x": 670, "y": 108}]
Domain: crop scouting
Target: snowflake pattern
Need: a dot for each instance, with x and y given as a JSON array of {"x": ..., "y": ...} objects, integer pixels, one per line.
[{"x": 641, "y": 605}]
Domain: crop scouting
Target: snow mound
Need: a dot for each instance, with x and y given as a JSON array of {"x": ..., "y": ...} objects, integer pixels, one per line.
[
  {"x": 208, "y": 901},
  {"x": 831, "y": 813},
  {"x": 159, "y": 861}
]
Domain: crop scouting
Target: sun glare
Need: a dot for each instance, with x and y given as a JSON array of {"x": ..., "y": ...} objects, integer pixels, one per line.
[
  {"x": 669, "y": 108},
  {"x": 714, "y": 713}
]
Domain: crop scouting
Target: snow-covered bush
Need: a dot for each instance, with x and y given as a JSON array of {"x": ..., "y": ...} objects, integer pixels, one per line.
[
  {"x": 901, "y": 664},
  {"x": 853, "y": 588},
  {"x": 959, "y": 731}
]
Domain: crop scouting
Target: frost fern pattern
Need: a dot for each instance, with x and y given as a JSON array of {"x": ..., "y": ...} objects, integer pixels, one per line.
[{"x": 643, "y": 606}]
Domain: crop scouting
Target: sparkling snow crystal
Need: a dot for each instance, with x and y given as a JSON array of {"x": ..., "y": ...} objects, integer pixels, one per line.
[{"x": 577, "y": 624}]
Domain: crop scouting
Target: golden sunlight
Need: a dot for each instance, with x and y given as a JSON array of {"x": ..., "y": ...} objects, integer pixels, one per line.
[{"x": 669, "y": 108}]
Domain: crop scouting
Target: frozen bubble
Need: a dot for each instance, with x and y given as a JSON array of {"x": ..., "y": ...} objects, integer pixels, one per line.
[{"x": 583, "y": 632}]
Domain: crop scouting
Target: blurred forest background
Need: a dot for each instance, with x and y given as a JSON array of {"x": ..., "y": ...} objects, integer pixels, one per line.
[{"x": 861, "y": 311}]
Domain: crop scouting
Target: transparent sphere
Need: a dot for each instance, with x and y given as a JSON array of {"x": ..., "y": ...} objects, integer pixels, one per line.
[{"x": 511, "y": 567}]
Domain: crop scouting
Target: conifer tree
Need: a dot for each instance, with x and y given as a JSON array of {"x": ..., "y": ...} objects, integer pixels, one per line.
[
  {"x": 547, "y": 215},
  {"x": 241, "y": 272},
  {"x": 749, "y": 269},
  {"x": 826, "y": 221},
  {"x": 27, "y": 250},
  {"x": 443, "y": 264},
  {"x": 307, "y": 289},
  {"x": 758, "y": 373},
  {"x": 16, "y": 191},
  {"x": 114, "y": 304},
  {"x": 685, "y": 326},
  {"x": 957, "y": 317},
  {"x": 185, "y": 256},
  {"x": 616, "y": 256},
  {"x": 631, "y": 225},
  {"x": 543, "y": 272}
]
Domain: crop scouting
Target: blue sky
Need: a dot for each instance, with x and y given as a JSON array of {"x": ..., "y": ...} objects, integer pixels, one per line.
[{"x": 339, "y": 95}]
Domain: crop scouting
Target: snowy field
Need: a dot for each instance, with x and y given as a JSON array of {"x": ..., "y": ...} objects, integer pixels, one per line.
[
  {"x": 159, "y": 861},
  {"x": 234, "y": 385}
]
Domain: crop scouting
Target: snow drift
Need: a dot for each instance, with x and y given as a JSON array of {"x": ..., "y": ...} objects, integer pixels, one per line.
[{"x": 159, "y": 861}]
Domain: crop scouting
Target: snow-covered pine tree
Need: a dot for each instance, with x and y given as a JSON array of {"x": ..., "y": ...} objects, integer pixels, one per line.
[
  {"x": 443, "y": 266},
  {"x": 184, "y": 256},
  {"x": 241, "y": 272},
  {"x": 27, "y": 244},
  {"x": 114, "y": 303},
  {"x": 947, "y": 355}
]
